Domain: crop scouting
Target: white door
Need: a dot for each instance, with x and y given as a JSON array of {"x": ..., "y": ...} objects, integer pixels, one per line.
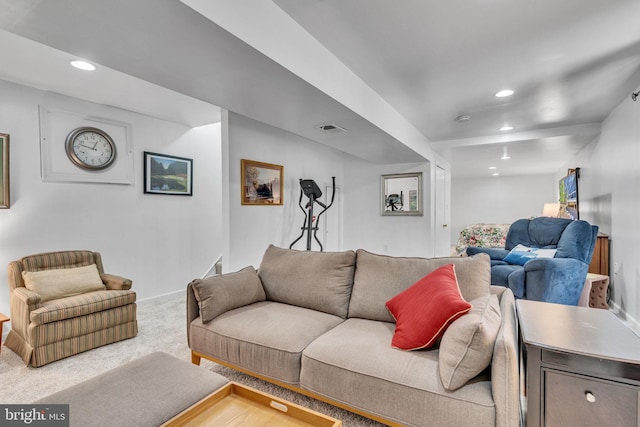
[{"x": 442, "y": 235}]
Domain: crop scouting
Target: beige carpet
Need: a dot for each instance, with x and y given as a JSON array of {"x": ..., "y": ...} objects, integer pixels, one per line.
[{"x": 162, "y": 327}]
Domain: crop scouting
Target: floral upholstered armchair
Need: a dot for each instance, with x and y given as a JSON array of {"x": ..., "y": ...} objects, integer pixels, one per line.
[
  {"x": 482, "y": 236},
  {"x": 62, "y": 303}
]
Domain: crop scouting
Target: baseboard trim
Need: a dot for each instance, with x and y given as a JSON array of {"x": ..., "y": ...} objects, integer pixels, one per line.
[
  {"x": 628, "y": 320},
  {"x": 160, "y": 297}
]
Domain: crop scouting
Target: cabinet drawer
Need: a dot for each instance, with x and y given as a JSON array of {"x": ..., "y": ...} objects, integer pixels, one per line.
[{"x": 574, "y": 400}]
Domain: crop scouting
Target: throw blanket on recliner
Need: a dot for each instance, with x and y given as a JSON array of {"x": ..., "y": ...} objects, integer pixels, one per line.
[{"x": 558, "y": 279}]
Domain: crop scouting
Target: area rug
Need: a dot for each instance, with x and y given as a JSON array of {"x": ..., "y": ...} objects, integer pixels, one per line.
[{"x": 162, "y": 327}]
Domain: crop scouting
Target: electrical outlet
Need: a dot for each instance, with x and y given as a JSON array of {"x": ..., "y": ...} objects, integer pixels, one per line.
[{"x": 616, "y": 268}]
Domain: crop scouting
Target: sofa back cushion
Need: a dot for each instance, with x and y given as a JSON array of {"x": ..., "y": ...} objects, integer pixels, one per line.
[
  {"x": 379, "y": 278},
  {"x": 317, "y": 280}
]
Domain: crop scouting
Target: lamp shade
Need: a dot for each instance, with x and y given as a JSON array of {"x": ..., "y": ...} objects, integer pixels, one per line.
[{"x": 551, "y": 209}]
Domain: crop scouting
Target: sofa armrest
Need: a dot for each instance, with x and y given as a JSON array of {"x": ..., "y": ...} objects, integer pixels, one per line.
[
  {"x": 505, "y": 378},
  {"x": 116, "y": 283},
  {"x": 193, "y": 310},
  {"x": 494, "y": 253}
]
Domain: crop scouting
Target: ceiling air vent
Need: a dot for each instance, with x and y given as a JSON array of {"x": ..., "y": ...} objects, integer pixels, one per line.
[{"x": 330, "y": 127}]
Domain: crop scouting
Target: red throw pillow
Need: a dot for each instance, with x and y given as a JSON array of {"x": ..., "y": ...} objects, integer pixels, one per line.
[{"x": 425, "y": 309}]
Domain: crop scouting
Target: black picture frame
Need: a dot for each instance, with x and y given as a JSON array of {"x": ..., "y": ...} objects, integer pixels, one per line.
[{"x": 165, "y": 174}]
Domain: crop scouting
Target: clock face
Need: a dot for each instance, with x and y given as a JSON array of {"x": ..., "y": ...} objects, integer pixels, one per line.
[{"x": 90, "y": 148}]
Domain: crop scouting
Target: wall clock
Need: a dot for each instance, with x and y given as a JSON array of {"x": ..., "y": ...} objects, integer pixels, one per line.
[{"x": 90, "y": 148}]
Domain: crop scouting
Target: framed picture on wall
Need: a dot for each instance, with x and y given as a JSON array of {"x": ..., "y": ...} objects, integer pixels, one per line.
[
  {"x": 262, "y": 183},
  {"x": 4, "y": 171},
  {"x": 165, "y": 174}
]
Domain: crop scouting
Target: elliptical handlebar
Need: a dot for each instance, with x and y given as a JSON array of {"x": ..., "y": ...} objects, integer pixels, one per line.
[{"x": 308, "y": 216}]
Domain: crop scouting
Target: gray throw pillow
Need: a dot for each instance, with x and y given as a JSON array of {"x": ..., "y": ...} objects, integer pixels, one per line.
[
  {"x": 379, "y": 278},
  {"x": 219, "y": 294},
  {"x": 467, "y": 345},
  {"x": 320, "y": 281}
]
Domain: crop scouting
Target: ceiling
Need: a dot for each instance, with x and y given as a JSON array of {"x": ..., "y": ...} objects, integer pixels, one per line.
[{"x": 570, "y": 63}]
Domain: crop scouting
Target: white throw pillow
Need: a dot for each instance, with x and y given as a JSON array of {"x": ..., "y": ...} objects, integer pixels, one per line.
[
  {"x": 63, "y": 282},
  {"x": 466, "y": 348}
]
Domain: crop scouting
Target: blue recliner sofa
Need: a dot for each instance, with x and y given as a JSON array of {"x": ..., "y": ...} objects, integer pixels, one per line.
[{"x": 543, "y": 275}]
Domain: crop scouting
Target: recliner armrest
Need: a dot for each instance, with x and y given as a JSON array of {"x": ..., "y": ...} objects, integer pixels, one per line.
[
  {"x": 116, "y": 283},
  {"x": 494, "y": 253}
]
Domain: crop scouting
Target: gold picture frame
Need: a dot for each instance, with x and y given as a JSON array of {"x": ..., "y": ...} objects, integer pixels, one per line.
[
  {"x": 4, "y": 171},
  {"x": 262, "y": 183}
]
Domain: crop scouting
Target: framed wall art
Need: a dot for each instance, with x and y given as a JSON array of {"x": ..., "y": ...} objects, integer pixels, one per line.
[
  {"x": 165, "y": 174},
  {"x": 261, "y": 183},
  {"x": 4, "y": 171}
]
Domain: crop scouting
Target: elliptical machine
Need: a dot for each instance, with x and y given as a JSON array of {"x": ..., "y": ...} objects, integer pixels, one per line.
[{"x": 309, "y": 188}]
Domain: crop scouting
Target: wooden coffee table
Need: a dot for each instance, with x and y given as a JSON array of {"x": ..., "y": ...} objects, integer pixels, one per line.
[{"x": 236, "y": 404}]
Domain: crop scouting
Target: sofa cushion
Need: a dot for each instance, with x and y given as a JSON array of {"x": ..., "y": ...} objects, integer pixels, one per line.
[
  {"x": 266, "y": 337},
  {"x": 368, "y": 374},
  {"x": 63, "y": 282},
  {"x": 318, "y": 280},
  {"x": 80, "y": 305},
  {"x": 466, "y": 347},
  {"x": 218, "y": 294},
  {"x": 379, "y": 278},
  {"x": 425, "y": 309}
]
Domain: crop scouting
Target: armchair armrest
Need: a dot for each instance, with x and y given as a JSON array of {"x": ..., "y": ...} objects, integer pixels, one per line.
[
  {"x": 558, "y": 280},
  {"x": 116, "y": 283},
  {"x": 497, "y": 254},
  {"x": 23, "y": 302}
]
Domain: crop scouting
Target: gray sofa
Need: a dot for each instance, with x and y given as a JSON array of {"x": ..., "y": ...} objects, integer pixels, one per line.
[{"x": 317, "y": 323}]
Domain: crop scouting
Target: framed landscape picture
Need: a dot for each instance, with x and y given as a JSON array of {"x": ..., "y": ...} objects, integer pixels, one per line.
[
  {"x": 261, "y": 183},
  {"x": 165, "y": 174},
  {"x": 4, "y": 171}
]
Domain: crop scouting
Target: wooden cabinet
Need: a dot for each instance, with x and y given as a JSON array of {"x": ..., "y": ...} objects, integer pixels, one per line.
[
  {"x": 600, "y": 259},
  {"x": 577, "y": 400},
  {"x": 581, "y": 367}
]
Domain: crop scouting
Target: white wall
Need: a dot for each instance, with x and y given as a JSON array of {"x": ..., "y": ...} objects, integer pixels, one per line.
[
  {"x": 364, "y": 226},
  {"x": 253, "y": 228},
  {"x": 160, "y": 242},
  {"x": 499, "y": 200},
  {"x": 609, "y": 197}
]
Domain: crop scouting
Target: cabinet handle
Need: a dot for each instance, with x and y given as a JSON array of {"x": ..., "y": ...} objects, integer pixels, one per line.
[{"x": 590, "y": 397}]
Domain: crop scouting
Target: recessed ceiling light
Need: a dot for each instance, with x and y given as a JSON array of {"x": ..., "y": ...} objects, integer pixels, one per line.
[
  {"x": 83, "y": 65},
  {"x": 506, "y": 128},
  {"x": 505, "y": 155},
  {"x": 492, "y": 168},
  {"x": 495, "y": 174},
  {"x": 504, "y": 92}
]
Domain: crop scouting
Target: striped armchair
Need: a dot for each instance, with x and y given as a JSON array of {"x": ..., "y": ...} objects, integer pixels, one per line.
[{"x": 62, "y": 303}]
